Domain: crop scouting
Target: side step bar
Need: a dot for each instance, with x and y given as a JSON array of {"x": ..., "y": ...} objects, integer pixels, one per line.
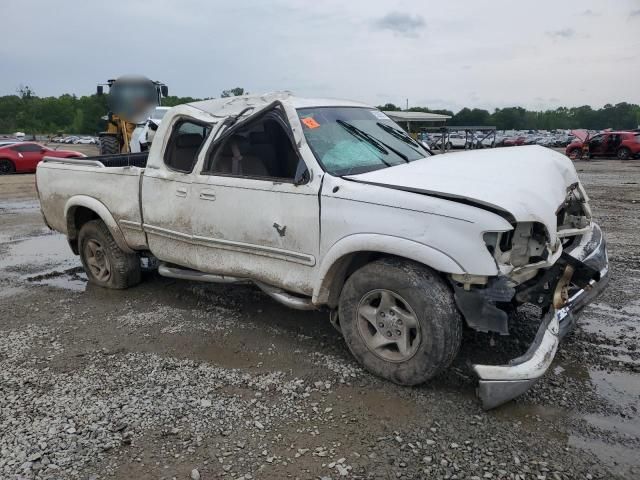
[{"x": 281, "y": 296}]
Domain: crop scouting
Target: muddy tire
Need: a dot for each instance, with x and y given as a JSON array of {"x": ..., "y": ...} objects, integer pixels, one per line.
[
  {"x": 6, "y": 167},
  {"x": 105, "y": 263},
  {"x": 400, "y": 321},
  {"x": 623, "y": 153},
  {"x": 109, "y": 145}
]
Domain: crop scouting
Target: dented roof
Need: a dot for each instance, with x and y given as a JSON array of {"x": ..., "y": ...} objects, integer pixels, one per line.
[{"x": 222, "y": 107}]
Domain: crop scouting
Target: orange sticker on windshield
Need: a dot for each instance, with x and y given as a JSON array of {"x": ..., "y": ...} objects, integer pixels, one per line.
[{"x": 310, "y": 122}]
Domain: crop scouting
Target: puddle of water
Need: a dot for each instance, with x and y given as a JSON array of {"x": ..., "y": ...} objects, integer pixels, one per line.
[
  {"x": 39, "y": 255},
  {"x": 18, "y": 206},
  {"x": 617, "y": 387},
  {"x": 624, "y": 426},
  {"x": 609, "y": 323},
  {"x": 6, "y": 292},
  {"x": 622, "y": 460}
]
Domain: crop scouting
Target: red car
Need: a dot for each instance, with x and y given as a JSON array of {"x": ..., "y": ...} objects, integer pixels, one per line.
[
  {"x": 624, "y": 145},
  {"x": 23, "y": 157},
  {"x": 513, "y": 141}
]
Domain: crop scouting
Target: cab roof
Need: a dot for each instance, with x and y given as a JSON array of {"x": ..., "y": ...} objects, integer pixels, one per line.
[{"x": 223, "y": 107}]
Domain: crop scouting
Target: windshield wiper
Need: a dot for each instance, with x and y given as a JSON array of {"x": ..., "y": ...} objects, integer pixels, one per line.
[
  {"x": 405, "y": 137},
  {"x": 399, "y": 134},
  {"x": 356, "y": 132},
  {"x": 372, "y": 139}
]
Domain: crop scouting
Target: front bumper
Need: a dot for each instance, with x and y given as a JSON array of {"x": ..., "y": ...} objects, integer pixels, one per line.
[{"x": 500, "y": 383}]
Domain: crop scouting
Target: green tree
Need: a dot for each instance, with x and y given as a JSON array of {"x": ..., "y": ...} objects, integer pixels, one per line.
[
  {"x": 469, "y": 117},
  {"x": 83, "y": 115},
  {"x": 233, "y": 92},
  {"x": 388, "y": 107}
]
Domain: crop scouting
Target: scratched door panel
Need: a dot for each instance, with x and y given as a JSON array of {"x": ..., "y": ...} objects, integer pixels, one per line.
[
  {"x": 166, "y": 203},
  {"x": 257, "y": 228}
]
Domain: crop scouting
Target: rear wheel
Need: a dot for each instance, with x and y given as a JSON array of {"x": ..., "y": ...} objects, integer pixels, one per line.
[
  {"x": 105, "y": 263},
  {"x": 623, "y": 153},
  {"x": 400, "y": 321},
  {"x": 109, "y": 145},
  {"x": 6, "y": 167}
]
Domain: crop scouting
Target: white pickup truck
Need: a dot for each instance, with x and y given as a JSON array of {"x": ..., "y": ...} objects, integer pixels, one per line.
[{"x": 328, "y": 204}]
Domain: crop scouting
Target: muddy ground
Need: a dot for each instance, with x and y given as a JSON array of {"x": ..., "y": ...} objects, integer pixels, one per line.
[{"x": 170, "y": 376}]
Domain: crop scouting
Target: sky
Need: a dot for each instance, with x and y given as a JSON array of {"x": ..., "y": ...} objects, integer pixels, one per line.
[{"x": 476, "y": 53}]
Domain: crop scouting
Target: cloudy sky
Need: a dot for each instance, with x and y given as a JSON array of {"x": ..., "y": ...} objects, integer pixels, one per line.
[{"x": 477, "y": 53}]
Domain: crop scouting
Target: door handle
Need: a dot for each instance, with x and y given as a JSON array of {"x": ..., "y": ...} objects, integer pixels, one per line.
[
  {"x": 207, "y": 195},
  {"x": 181, "y": 192}
]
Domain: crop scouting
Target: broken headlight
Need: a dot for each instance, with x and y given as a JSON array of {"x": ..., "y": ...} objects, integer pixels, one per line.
[{"x": 527, "y": 243}]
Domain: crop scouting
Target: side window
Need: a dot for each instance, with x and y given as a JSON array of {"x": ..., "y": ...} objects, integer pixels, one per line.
[
  {"x": 184, "y": 144},
  {"x": 31, "y": 147},
  {"x": 595, "y": 141},
  {"x": 26, "y": 148},
  {"x": 262, "y": 148}
]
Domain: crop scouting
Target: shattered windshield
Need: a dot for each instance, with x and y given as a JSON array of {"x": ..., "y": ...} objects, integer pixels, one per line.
[{"x": 351, "y": 140}]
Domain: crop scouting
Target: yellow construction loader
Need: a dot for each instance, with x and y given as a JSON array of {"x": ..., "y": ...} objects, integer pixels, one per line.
[{"x": 131, "y": 98}]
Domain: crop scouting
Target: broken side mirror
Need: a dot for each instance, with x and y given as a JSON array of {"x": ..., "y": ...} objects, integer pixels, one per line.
[{"x": 303, "y": 176}]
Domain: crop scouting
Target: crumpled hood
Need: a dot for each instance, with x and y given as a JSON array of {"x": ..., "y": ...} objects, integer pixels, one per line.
[{"x": 530, "y": 182}]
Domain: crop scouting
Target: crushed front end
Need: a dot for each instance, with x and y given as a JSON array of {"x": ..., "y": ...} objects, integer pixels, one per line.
[{"x": 560, "y": 277}]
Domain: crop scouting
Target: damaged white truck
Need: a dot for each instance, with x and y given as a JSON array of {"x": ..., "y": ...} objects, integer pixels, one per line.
[{"x": 328, "y": 204}]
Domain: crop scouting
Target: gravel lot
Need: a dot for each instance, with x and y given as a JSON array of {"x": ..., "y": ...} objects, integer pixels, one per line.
[{"x": 182, "y": 380}]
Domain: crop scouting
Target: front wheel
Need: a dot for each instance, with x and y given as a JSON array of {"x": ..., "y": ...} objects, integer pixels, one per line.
[
  {"x": 400, "y": 321},
  {"x": 104, "y": 262},
  {"x": 575, "y": 154},
  {"x": 623, "y": 153}
]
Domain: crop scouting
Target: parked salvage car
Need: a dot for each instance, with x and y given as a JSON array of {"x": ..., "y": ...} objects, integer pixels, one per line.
[
  {"x": 401, "y": 247},
  {"x": 454, "y": 140},
  {"x": 623, "y": 145},
  {"x": 23, "y": 157}
]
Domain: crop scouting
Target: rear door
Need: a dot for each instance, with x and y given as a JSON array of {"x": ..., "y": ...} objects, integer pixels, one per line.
[
  {"x": 612, "y": 144},
  {"x": 167, "y": 192}
]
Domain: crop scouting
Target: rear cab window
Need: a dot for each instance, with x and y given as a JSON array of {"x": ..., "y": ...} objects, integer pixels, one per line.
[{"x": 187, "y": 138}]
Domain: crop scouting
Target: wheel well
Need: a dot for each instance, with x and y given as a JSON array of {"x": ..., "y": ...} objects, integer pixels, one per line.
[
  {"x": 345, "y": 267},
  {"x": 76, "y": 218},
  {"x": 348, "y": 264}
]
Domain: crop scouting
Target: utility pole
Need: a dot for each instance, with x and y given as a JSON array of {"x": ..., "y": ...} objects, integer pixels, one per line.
[{"x": 407, "y": 104}]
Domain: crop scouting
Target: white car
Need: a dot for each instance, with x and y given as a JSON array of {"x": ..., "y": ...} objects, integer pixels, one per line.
[
  {"x": 142, "y": 136},
  {"x": 328, "y": 204},
  {"x": 85, "y": 140},
  {"x": 453, "y": 140}
]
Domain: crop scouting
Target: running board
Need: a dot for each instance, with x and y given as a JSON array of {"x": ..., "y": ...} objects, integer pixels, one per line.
[{"x": 279, "y": 295}]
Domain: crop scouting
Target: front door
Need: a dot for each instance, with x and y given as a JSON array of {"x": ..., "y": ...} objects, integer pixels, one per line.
[
  {"x": 597, "y": 145},
  {"x": 255, "y": 208},
  {"x": 29, "y": 155}
]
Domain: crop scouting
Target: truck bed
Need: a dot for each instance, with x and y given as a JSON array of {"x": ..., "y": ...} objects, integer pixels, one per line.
[
  {"x": 116, "y": 160},
  {"x": 106, "y": 184}
]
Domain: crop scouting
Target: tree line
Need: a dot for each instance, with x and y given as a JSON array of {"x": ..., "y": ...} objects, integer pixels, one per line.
[
  {"x": 67, "y": 113},
  {"x": 621, "y": 116}
]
